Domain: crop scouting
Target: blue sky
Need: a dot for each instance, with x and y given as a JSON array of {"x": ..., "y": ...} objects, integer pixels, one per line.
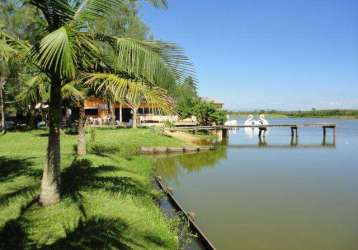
[{"x": 259, "y": 54}]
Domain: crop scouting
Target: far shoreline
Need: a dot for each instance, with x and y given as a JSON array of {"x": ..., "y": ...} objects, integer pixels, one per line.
[{"x": 323, "y": 114}]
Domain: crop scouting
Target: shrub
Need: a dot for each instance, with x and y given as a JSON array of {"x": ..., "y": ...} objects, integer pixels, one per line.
[{"x": 208, "y": 113}]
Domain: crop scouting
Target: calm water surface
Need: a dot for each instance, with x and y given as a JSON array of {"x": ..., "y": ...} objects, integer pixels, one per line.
[{"x": 274, "y": 195}]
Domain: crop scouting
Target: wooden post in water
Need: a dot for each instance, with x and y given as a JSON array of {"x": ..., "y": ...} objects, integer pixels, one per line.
[
  {"x": 294, "y": 131},
  {"x": 224, "y": 133},
  {"x": 334, "y": 135},
  {"x": 262, "y": 132}
]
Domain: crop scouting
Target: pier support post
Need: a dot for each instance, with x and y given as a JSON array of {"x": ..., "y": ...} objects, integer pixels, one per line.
[
  {"x": 294, "y": 132},
  {"x": 262, "y": 132},
  {"x": 224, "y": 133},
  {"x": 334, "y": 135},
  {"x": 219, "y": 133},
  {"x": 294, "y": 141}
]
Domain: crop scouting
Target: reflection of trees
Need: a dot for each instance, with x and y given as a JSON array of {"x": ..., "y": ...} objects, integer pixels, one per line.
[{"x": 170, "y": 166}]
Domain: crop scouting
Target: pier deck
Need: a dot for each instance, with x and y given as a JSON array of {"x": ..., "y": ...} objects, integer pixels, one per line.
[
  {"x": 262, "y": 128},
  {"x": 297, "y": 125}
]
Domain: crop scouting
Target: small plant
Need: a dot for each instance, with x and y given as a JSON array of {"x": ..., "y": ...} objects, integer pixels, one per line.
[{"x": 184, "y": 232}]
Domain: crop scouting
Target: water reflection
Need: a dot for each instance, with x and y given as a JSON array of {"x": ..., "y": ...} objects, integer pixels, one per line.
[
  {"x": 275, "y": 194},
  {"x": 170, "y": 165},
  {"x": 251, "y": 132},
  {"x": 293, "y": 143}
]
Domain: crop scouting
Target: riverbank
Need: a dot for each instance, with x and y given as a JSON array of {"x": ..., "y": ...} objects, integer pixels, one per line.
[
  {"x": 189, "y": 138},
  {"x": 108, "y": 198}
]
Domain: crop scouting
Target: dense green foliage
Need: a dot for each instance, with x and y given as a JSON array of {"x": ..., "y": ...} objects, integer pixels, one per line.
[
  {"x": 108, "y": 199},
  {"x": 208, "y": 113},
  {"x": 189, "y": 104},
  {"x": 186, "y": 96}
]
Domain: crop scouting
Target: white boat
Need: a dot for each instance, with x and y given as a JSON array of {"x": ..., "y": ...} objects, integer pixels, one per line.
[
  {"x": 250, "y": 121},
  {"x": 231, "y": 123},
  {"x": 262, "y": 120},
  {"x": 251, "y": 132}
]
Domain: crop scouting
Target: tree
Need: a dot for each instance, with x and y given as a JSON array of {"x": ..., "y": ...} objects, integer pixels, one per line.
[
  {"x": 71, "y": 47},
  {"x": 37, "y": 90},
  {"x": 131, "y": 92},
  {"x": 207, "y": 113},
  {"x": 186, "y": 96},
  {"x": 12, "y": 51}
]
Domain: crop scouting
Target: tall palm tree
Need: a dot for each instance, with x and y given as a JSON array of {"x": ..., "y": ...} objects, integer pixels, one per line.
[
  {"x": 72, "y": 47},
  {"x": 11, "y": 51}
]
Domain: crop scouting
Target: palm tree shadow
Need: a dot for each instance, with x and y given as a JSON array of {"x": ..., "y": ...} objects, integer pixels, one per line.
[
  {"x": 13, "y": 234},
  {"x": 11, "y": 168},
  {"x": 23, "y": 192},
  {"x": 82, "y": 176},
  {"x": 103, "y": 150},
  {"x": 95, "y": 233}
]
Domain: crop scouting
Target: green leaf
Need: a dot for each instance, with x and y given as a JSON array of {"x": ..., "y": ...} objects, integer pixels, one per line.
[
  {"x": 132, "y": 92},
  {"x": 56, "y": 53},
  {"x": 153, "y": 61}
]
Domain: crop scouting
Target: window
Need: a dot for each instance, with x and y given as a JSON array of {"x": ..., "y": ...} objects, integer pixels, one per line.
[{"x": 91, "y": 112}]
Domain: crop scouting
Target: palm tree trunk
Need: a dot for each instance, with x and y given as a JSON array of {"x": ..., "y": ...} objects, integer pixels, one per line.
[
  {"x": 51, "y": 179},
  {"x": 31, "y": 118},
  {"x": 135, "y": 111},
  {"x": 81, "y": 144},
  {"x": 2, "y": 106},
  {"x": 113, "y": 114}
]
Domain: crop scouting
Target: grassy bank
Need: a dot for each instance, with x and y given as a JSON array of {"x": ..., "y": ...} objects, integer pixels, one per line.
[{"x": 108, "y": 200}]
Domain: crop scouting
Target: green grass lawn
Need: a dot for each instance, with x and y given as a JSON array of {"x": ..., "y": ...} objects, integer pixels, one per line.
[{"x": 108, "y": 200}]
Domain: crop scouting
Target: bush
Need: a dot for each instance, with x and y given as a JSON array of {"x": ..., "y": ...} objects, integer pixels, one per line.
[{"x": 208, "y": 113}]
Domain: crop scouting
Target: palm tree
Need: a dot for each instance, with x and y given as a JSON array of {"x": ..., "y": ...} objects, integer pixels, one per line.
[
  {"x": 37, "y": 90},
  {"x": 131, "y": 92},
  {"x": 11, "y": 51},
  {"x": 72, "y": 47}
]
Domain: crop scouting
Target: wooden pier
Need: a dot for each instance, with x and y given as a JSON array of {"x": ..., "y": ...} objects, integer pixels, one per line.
[{"x": 294, "y": 128}]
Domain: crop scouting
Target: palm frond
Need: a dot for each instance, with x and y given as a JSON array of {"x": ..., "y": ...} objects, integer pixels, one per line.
[
  {"x": 158, "y": 3},
  {"x": 72, "y": 92},
  {"x": 12, "y": 47},
  {"x": 56, "y": 12},
  {"x": 6, "y": 51},
  {"x": 132, "y": 92},
  {"x": 56, "y": 53},
  {"x": 93, "y": 9},
  {"x": 152, "y": 60},
  {"x": 110, "y": 84},
  {"x": 35, "y": 90}
]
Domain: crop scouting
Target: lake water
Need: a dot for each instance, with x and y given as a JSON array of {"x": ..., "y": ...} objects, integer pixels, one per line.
[{"x": 273, "y": 195}]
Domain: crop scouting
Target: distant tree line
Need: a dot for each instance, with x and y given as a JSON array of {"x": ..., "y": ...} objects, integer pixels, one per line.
[{"x": 349, "y": 113}]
